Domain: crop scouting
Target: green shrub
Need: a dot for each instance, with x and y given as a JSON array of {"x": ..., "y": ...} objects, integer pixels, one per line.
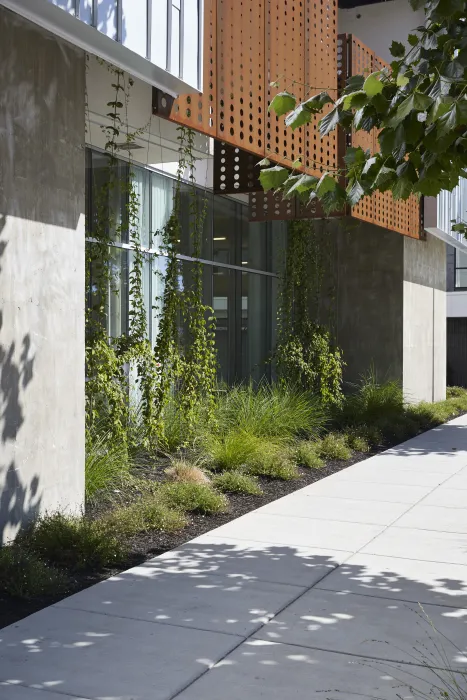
[
  {"x": 270, "y": 411},
  {"x": 274, "y": 463},
  {"x": 357, "y": 440},
  {"x": 23, "y": 575},
  {"x": 147, "y": 514},
  {"x": 193, "y": 498},
  {"x": 454, "y": 392},
  {"x": 233, "y": 450},
  {"x": 372, "y": 402},
  {"x": 237, "y": 482},
  {"x": 73, "y": 543},
  {"x": 333, "y": 446},
  {"x": 307, "y": 455},
  {"x": 106, "y": 465}
]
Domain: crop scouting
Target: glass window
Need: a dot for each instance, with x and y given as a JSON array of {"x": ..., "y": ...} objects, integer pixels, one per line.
[
  {"x": 107, "y": 17},
  {"x": 223, "y": 288},
  {"x": 85, "y": 11},
  {"x": 117, "y": 319},
  {"x": 256, "y": 325},
  {"x": 135, "y": 26},
  {"x": 161, "y": 205},
  {"x": 226, "y": 232},
  {"x": 109, "y": 204},
  {"x": 190, "y": 42},
  {"x": 159, "y": 33},
  {"x": 461, "y": 269},
  {"x": 141, "y": 183},
  {"x": 175, "y": 43},
  {"x": 67, "y": 5},
  {"x": 204, "y": 204}
]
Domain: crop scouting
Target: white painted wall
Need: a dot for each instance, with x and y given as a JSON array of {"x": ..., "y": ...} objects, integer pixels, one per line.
[{"x": 379, "y": 24}]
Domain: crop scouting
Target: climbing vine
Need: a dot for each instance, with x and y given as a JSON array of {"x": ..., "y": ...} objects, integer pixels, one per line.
[
  {"x": 182, "y": 367},
  {"x": 185, "y": 347},
  {"x": 305, "y": 354}
]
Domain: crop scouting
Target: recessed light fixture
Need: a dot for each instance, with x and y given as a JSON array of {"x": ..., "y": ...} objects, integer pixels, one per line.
[
  {"x": 245, "y": 262},
  {"x": 220, "y": 239}
]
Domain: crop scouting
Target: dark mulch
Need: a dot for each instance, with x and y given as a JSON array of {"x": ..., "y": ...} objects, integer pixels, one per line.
[{"x": 150, "y": 545}]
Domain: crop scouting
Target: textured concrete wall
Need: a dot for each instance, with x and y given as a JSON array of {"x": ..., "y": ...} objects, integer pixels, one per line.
[
  {"x": 424, "y": 371},
  {"x": 450, "y": 268},
  {"x": 369, "y": 300},
  {"x": 41, "y": 273}
]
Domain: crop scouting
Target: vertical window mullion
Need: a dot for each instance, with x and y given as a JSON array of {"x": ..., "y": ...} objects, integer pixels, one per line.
[
  {"x": 169, "y": 35},
  {"x": 119, "y": 21},
  {"x": 149, "y": 30},
  {"x": 181, "y": 35},
  {"x": 94, "y": 13}
]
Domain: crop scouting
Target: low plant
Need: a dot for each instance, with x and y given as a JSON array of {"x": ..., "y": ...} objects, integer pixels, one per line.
[
  {"x": 356, "y": 440},
  {"x": 106, "y": 465},
  {"x": 277, "y": 411},
  {"x": 237, "y": 482},
  {"x": 24, "y": 575},
  {"x": 185, "y": 471},
  {"x": 306, "y": 454},
  {"x": 454, "y": 392},
  {"x": 193, "y": 498},
  {"x": 233, "y": 450},
  {"x": 147, "y": 514},
  {"x": 73, "y": 543},
  {"x": 274, "y": 463},
  {"x": 371, "y": 402},
  {"x": 333, "y": 446}
]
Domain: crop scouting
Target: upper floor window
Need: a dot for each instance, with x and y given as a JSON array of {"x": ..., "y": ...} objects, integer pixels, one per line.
[{"x": 461, "y": 270}]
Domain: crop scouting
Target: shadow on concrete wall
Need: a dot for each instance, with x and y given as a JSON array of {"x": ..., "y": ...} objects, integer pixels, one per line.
[{"x": 19, "y": 502}]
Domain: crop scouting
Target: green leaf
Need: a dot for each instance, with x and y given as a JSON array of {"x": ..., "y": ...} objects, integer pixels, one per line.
[
  {"x": 298, "y": 117},
  {"x": 402, "y": 188},
  {"x": 354, "y": 156},
  {"x": 329, "y": 122},
  {"x": 397, "y": 49},
  {"x": 355, "y": 83},
  {"x": 317, "y": 102},
  {"x": 400, "y": 145},
  {"x": 441, "y": 105},
  {"x": 402, "y": 80},
  {"x": 415, "y": 102},
  {"x": 413, "y": 39},
  {"x": 273, "y": 178},
  {"x": 296, "y": 164},
  {"x": 355, "y": 100},
  {"x": 282, "y": 103},
  {"x": 429, "y": 187},
  {"x": 369, "y": 164},
  {"x": 264, "y": 163},
  {"x": 454, "y": 70},
  {"x": 326, "y": 184},
  {"x": 384, "y": 176},
  {"x": 456, "y": 116},
  {"x": 299, "y": 184},
  {"x": 354, "y": 192},
  {"x": 373, "y": 86},
  {"x": 386, "y": 140}
]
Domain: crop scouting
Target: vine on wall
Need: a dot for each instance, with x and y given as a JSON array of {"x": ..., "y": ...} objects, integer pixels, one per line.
[
  {"x": 305, "y": 354},
  {"x": 182, "y": 367}
]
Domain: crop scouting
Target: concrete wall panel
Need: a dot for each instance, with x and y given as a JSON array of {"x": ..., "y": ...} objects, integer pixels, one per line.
[{"x": 42, "y": 190}]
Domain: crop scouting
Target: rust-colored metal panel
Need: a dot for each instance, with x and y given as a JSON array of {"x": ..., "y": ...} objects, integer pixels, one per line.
[
  {"x": 248, "y": 45},
  {"x": 381, "y": 208},
  {"x": 268, "y": 206},
  {"x": 235, "y": 171}
]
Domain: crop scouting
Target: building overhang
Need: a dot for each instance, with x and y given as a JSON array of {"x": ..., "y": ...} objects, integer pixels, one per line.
[
  {"x": 447, "y": 238},
  {"x": 88, "y": 38}
]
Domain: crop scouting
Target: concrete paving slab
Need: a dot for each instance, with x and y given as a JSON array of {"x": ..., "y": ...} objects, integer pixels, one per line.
[
  {"x": 372, "y": 627},
  {"x": 102, "y": 657},
  {"x": 199, "y": 601},
  {"x": 300, "y": 532},
  {"x": 258, "y": 670},
  {"x": 389, "y": 475},
  {"x": 425, "y": 545},
  {"x": 343, "y": 509},
  {"x": 19, "y": 692},
  {"x": 248, "y": 560},
  {"x": 391, "y": 493},
  {"x": 440, "y": 519},
  {"x": 446, "y": 497},
  {"x": 459, "y": 481},
  {"x": 403, "y": 579}
]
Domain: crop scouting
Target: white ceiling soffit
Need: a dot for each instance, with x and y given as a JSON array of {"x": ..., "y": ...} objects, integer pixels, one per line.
[
  {"x": 64, "y": 25},
  {"x": 447, "y": 238}
]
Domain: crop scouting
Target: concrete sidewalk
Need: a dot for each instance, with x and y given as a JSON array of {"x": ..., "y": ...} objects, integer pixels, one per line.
[{"x": 313, "y": 596}]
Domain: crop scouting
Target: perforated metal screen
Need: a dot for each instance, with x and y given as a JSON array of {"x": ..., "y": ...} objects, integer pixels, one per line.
[
  {"x": 402, "y": 216},
  {"x": 248, "y": 45}
]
